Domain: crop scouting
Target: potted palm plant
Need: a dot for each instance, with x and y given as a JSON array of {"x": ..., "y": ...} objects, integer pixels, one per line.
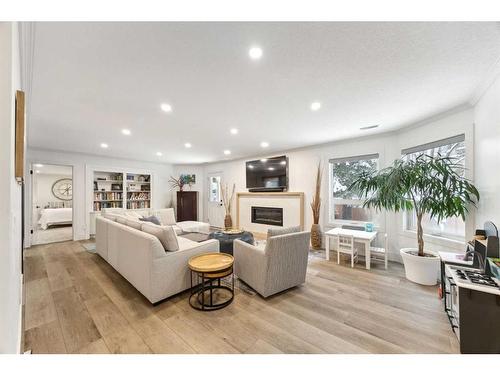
[{"x": 429, "y": 186}]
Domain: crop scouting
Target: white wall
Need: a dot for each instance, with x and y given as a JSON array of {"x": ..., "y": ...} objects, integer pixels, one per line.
[
  {"x": 83, "y": 166},
  {"x": 487, "y": 157},
  {"x": 10, "y": 191},
  {"x": 43, "y": 188},
  {"x": 302, "y": 169}
]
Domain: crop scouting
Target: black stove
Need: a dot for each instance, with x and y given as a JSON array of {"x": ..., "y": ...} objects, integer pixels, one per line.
[{"x": 475, "y": 277}]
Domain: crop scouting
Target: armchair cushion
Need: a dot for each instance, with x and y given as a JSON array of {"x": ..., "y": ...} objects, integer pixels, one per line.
[{"x": 278, "y": 232}]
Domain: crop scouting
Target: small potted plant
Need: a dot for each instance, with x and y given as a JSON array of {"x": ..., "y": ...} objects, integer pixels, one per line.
[{"x": 433, "y": 186}]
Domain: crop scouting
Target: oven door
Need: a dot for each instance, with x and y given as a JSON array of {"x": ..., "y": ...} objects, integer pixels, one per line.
[{"x": 453, "y": 314}]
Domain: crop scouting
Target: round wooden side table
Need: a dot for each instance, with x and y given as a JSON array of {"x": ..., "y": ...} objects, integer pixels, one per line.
[{"x": 211, "y": 268}]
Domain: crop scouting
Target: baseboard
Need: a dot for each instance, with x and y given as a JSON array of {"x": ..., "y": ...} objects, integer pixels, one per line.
[{"x": 20, "y": 338}]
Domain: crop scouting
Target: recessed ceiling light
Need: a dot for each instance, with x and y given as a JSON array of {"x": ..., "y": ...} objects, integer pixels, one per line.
[
  {"x": 165, "y": 107},
  {"x": 264, "y": 144},
  {"x": 104, "y": 145},
  {"x": 234, "y": 131},
  {"x": 283, "y": 162},
  {"x": 227, "y": 152},
  {"x": 187, "y": 145},
  {"x": 369, "y": 127},
  {"x": 37, "y": 171},
  {"x": 263, "y": 160},
  {"x": 126, "y": 132},
  {"x": 159, "y": 153},
  {"x": 255, "y": 53},
  {"x": 39, "y": 165},
  {"x": 250, "y": 166},
  {"x": 315, "y": 106},
  {"x": 271, "y": 168}
]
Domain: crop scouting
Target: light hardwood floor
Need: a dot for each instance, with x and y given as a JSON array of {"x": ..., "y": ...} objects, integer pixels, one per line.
[{"x": 77, "y": 303}]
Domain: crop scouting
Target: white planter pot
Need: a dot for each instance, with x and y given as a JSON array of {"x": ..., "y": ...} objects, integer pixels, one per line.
[{"x": 420, "y": 270}]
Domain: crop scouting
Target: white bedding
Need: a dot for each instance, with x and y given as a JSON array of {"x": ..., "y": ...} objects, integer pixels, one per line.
[{"x": 55, "y": 216}]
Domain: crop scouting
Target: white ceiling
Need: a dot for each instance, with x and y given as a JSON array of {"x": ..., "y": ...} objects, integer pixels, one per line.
[{"x": 90, "y": 80}]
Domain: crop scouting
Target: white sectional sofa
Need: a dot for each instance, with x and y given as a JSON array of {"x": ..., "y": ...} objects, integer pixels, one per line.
[
  {"x": 141, "y": 258},
  {"x": 166, "y": 216}
]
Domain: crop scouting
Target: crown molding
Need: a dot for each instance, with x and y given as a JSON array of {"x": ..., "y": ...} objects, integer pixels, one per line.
[{"x": 491, "y": 76}]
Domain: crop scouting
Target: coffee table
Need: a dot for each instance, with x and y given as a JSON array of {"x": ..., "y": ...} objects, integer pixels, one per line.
[
  {"x": 226, "y": 240},
  {"x": 211, "y": 268}
]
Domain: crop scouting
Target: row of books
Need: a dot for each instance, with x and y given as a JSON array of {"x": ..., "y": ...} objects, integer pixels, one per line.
[
  {"x": 136, "y": 205},
  {"x": 107, "y": 196},
  {"x": 138, "y": 196},
  {"x": 100, "y": 205}
]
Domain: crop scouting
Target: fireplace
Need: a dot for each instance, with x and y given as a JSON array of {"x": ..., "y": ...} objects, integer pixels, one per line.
[{"x": 267, "y": 215}]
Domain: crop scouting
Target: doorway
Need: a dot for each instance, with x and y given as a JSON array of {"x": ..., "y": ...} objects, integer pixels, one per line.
[
  {"x": 52, "y": 203},
  {"x": 215, "y": 209}
]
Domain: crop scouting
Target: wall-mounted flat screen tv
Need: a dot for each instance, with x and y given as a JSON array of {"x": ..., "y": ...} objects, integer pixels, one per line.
[{"x": 269, "y": 174}]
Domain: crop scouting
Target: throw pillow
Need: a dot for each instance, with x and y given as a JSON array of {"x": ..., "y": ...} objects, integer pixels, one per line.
[
  {"x": 136, "y": 224},
  {"x": 165, "y": 234},
  {"x": 151, "y": 219},
  {"x": 279, "y": 232},
  {"x": 166, "y": 216}
]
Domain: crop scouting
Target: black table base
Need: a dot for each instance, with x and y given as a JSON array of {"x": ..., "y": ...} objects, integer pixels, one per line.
[{"x": 210, "y": 282}]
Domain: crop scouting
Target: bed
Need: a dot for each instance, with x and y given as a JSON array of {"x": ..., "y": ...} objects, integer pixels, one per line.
[{"x": 55, "y": 216}]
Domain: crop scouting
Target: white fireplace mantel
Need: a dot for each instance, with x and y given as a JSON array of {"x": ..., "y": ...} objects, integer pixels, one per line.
[{"x": 292, "y": 204}]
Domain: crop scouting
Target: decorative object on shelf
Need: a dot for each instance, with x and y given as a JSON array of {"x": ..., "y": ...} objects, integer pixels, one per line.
[
  {"x": 428, "y": 185},
  {"x": 369, "y": 227},
  {"x": 176, "y": 183},
  {"x": 189, "y": 179},
  {"x": 130, "y": 177},
  {"x": 95, "y": 186},
  {"x": 116, "y": 187},
  {"x": 141, "y": 178},
  {"x": 63, "y": 189},
  {"x": 316, "y": 210},
  {"x": 227, "y": 201}
]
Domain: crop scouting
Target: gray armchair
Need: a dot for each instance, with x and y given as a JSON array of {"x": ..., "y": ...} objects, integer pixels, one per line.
[{"x": 278, "y": 266}]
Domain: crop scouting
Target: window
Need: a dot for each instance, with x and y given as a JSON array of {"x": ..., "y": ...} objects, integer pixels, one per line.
[
  {"x": 214, "y": 189},
  {"x": 345, "y": 205},
  {"x": 453, "y": 227}
]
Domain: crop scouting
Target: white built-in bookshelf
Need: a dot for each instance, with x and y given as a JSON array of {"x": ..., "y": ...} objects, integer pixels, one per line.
[{"x": 121, "y": 190}]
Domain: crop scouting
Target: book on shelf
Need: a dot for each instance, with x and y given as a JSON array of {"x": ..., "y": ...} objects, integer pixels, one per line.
[
  {"x": 131, "y": 205},
  {"x": 107, "y": 196}
]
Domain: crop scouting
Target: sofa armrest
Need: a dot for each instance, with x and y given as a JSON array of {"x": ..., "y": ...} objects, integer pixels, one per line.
[{"x": 250, "y": 264}]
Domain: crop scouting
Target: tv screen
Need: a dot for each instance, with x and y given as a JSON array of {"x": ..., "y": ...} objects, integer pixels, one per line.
[{"x": 268, "y": 173}]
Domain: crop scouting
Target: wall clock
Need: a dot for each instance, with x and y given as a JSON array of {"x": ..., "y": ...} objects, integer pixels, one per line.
[{"x": 63, "y": 189}]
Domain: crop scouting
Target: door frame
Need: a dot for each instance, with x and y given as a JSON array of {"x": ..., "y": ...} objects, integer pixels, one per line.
[{"x": 29, "y": 209}]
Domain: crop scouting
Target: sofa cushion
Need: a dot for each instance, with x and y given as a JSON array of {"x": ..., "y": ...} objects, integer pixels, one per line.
[
  {"x": 194, "y": 226},
  {"x": 166, "y": 216},
  {"x": 165, "y": 234},
  {"x": 133, "y": 214},
  {"x": 151, "y": 219},
  {"x": 110, "y": 217},
  {"x": 136, "y": 224},
  {"x": 121, "y": 220},
  {"x": 280, "y": 231}
]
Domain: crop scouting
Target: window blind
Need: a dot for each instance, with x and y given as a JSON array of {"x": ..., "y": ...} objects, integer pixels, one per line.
[
  {"x": 435, "y": 144},
  {"x": 353, "y": 158}
]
